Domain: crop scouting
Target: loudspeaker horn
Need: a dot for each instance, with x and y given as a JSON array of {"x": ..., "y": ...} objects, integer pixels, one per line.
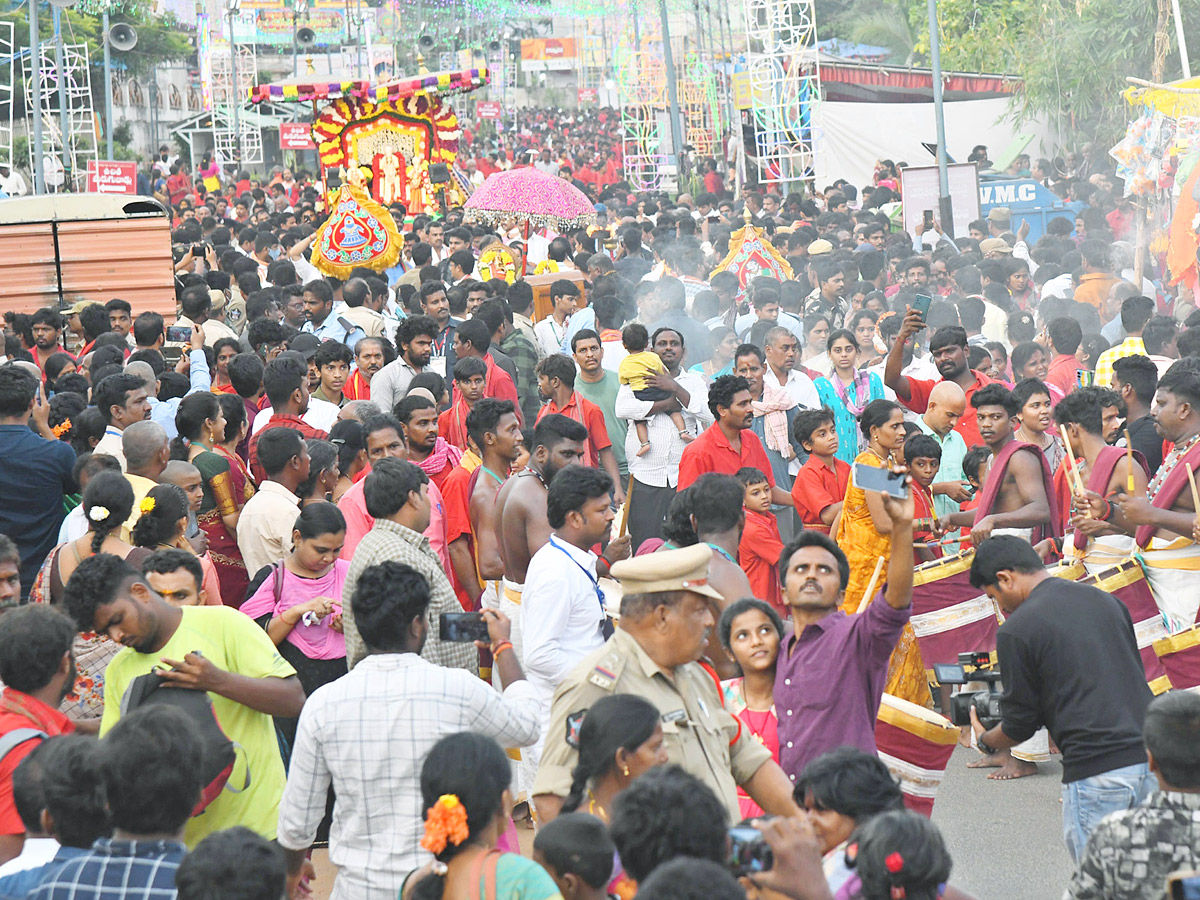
[
  {"x": 305, "y": 36},
  {"x": 425, "y": 42},
  {"x": 122, "y": 37},
  {"x": 494, "y": 46}
]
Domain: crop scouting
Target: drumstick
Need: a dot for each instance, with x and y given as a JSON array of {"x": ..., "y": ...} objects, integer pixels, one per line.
[
  {"x": 1074, "y": 465},
  {"x": 870, "y": 592},
  {"x": 625, "y": 508},
  {"x": 1192, "y": 482},
  {"x": 1129, "y": 483}
]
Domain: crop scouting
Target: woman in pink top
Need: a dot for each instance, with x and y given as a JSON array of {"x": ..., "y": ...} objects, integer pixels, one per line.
[
  {"x": 299, "y": 603},
  {"x": 751, "y": 632}
]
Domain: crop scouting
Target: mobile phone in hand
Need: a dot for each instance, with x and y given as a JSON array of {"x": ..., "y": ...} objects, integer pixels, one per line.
[
  {"x": 921, "y": 304},
  {"x": 463, "y": 628},
  {"x": 874, "y": 478},
  {"x": 179, "y": 334}
]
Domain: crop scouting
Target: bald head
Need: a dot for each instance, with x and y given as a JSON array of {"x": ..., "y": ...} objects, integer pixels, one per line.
[
  {"x": 143, "y": 371},
  {"x": 947, "y": 403},
  {"x": 145, "y": 447}
]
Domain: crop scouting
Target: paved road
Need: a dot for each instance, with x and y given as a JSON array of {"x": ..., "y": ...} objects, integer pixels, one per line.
[{"x": 1005, "y": 837}]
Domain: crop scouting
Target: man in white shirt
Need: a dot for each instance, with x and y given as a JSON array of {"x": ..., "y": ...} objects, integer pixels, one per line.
[
  {"x": 368, "y": 733},
  {"x": 122, "y": 400},
  {"x": 782, "y": 349},
  {"x": 562, "y": 608},
  {"x": 657, "y": 472},
  {"x": 264, "y": 528}
]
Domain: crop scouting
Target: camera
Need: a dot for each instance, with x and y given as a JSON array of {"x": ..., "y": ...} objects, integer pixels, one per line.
[
  {"x": 972, "y": 666},
  {"x": 748, "y": 852}
]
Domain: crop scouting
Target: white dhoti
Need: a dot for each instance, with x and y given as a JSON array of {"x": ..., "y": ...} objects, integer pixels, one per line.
[
  {"x": 1025, "y": 534},
  {"x": 524, "y": 759},
  {"x": 1034, "y": 750},
  {"x": 1106, "y": 551},
  {"x": 1173, "y": 570}
]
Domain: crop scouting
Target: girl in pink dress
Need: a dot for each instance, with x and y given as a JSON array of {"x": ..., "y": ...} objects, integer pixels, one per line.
[{"x": 751, "y": 632}]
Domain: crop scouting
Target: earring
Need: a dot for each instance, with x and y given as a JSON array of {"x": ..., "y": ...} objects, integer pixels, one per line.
[{"x": 625, "y": 771}]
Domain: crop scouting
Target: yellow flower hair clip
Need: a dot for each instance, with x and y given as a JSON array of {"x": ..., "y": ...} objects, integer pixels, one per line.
[{"x": 147, "y": 505}]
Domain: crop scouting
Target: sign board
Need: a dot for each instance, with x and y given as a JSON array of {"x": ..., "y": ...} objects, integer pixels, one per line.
[
  {"x": 296, "y": 136},
  {"x": 739, "y": 82},
  {"x": 919, "y": 191},
  {"x": 589, "y": 95},
  {"x": 489, "y": 109},
  {"x": 1028, "y": 200},
  {"x": 105, "y": 177},
  {"x": 538, "y": 54}
]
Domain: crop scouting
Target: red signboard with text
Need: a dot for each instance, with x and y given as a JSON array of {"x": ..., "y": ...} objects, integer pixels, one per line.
[
  {"x": 489, "y": 109},
  {"x": 589, "y": 95},
  {"x": 296, "y": 136},
  {"x": 105, "y": 177}
]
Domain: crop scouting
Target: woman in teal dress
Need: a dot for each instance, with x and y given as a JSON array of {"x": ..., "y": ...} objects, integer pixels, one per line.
[
  {"x": 847, "y": 391},
  {"x": 465, "y": 792}
]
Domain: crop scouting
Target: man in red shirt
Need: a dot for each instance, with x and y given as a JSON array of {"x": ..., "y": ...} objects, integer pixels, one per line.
[
  {"x": 556, "y": 384},
  {"x": 1065, "y": 337},
  {"x": 38, "y": 669},
  {"x": 472, "y": 338},
  {"x": 948, "y": 347},
  {"x": 285, "y": 381},
  {"x": 47, "y": 326},
  {"x": 728, "y": 444}
]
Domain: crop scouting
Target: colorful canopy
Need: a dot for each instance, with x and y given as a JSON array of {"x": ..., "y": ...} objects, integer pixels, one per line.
[
  {"x": 432, "y": 83},
  {"x": 530, "y": 197}
]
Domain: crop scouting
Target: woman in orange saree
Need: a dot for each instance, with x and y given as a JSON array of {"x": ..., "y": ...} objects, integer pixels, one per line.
[{"x": 864, "y": 534}]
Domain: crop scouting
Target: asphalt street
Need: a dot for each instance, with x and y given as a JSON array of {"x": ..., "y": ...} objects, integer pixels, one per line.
[{"x": 1005, "y": 837}]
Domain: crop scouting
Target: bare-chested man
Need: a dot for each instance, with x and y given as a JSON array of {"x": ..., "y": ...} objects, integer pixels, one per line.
[
  {"x": 496, "y": 430},
  {"x": 1017, "y": 499},
  {"x": 521, "y": 526}
]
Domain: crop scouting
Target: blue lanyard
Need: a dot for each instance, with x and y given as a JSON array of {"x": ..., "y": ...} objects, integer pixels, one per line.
[{"x": 607, "y": 626}]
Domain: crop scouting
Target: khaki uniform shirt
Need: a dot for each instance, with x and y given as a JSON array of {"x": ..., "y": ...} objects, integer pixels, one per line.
[
  {"x": 700, "y": 735},
  {"x": 371, "y": 322}
]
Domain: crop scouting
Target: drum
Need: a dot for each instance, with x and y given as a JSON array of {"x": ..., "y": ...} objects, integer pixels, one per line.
[
  {"x": 1127, "y": 582},
  {"x": 1180, "y": 656},
  {"x": 915, "y": 744},
  {"x": 948, "y": 615}
]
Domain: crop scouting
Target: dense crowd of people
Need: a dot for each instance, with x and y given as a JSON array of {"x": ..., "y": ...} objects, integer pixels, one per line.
[{"x": 637, "y": 552}]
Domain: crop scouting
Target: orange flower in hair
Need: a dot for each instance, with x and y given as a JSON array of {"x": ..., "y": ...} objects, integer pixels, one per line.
[
  {"x": 61, "y": 428},
  {"x": 445, "y": 823}
]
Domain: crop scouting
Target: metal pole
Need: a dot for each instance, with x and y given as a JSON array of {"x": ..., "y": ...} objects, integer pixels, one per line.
[
  {"x": 1183, "y": 51},
  {"x": 235, "y": 101},
  {"x": 672, "y": 88},
  {"x": 108, "y": 110},
  {"x": 64, "y": 111},
  {"x": 35, "y": 78},
  {"x": 945, "y": 205}
]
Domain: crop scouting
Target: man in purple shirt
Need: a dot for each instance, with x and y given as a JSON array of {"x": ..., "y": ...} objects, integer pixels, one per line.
[{"x": 833, "y": 668}]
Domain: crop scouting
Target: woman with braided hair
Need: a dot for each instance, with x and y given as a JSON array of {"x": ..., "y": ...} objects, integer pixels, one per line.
[
  {"x": 465, "y": 792},
  {"x": 107, "y": 503},
  {"x": 162, "y": 525}
]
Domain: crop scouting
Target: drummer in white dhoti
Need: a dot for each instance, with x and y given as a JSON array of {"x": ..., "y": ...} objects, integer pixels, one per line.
[
  {"x": 1163, "y": 518},
  {"x": 1094, "y": 469}
]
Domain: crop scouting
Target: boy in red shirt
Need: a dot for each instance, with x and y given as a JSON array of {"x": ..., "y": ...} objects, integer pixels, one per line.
[
  {"x": 820, "y": 485},
  {"x": 761, "y": 545},
  {"x": 923, "y": 456},
  {"x": 470, "y": 376}
]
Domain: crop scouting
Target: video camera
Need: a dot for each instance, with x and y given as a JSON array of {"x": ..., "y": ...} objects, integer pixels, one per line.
[
  {"x": 748, "y": 851},
  {"x": 972, "y": 666}
]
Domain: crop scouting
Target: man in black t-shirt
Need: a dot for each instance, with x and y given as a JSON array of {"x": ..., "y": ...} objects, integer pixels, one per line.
[{"x": 1069, "y": 660}]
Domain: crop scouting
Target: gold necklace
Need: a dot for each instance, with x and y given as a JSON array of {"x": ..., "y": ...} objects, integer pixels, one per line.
[{"x": 886, "y": 460}]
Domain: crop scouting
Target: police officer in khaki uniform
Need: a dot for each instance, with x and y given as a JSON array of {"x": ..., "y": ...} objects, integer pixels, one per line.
[{"x": 665, "y": 620}]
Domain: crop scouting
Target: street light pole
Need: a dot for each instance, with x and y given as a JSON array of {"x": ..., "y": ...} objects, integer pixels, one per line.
[
  {"x": 677, "y": 133},
  {"x": 35, "y": 79},
  {"x": 945, "y": 205},
  {"x": 108, "y": 111}
]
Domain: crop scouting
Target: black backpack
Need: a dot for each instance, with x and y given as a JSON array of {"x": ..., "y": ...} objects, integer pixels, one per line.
[{"x": 218, "y": 753}]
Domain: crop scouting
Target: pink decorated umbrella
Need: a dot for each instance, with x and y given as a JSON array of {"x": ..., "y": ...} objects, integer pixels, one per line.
[{"x": 532, "y": 198}]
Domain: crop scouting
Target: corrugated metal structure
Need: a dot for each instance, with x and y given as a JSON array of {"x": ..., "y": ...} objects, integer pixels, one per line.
[{"x": 57, "y": 249}]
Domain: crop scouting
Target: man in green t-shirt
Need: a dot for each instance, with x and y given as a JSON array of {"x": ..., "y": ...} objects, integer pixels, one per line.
[
  {"x": 210, "y": 648},
  {"x": 600, "y": 386}
]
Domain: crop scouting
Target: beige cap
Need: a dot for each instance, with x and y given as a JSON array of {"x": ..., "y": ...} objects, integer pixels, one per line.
[
  {"x": 218, "y": 300},
  {"x": 819, "y": 246},
  {"x": 78, "y": 306},
  {"x": 994, "y": 245},
  {"x": 668, "y": 570},
  {"x": 999, "y": 215}
]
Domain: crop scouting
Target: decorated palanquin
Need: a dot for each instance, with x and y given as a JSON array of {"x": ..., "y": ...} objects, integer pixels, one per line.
[
  {"x": 391, "y": 132},
  {"x": 752, "y": 255},
  {"x": 358, "y": 232}
]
